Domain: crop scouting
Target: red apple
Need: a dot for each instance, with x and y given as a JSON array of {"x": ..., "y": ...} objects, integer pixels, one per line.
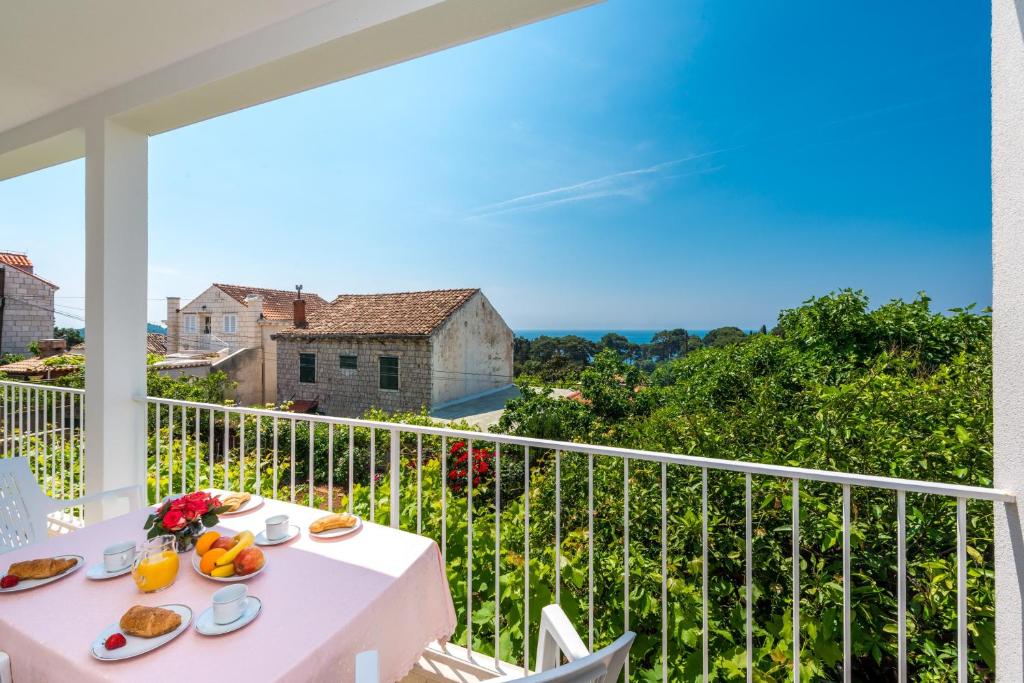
[
  {"x": 249, "y": 561},
  {"x": 225, "y": 542}
]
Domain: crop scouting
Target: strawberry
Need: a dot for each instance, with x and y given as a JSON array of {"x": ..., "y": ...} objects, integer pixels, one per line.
[
  {"x": 9, "y": 581},
  {"x": 114, "y": 641}
]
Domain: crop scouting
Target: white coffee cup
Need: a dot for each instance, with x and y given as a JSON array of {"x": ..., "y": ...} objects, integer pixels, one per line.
[
  {"x": 229, "y": 603},
  {"x": 119, "y": 556},
  {"x": 277, "y": 527}
]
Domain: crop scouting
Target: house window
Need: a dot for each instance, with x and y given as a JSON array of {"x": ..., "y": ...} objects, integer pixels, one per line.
[
  {"x": 191, "y": 325},
  {"x": 347, "y": 362},
  {"x": 206, "y": 324},
  {"x": 389, "y": 373},
  {"x": 307, "y": 368},
  {"x": 230, "y": 323}
]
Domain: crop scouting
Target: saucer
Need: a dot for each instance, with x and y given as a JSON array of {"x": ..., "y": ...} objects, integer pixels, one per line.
[
  {"x": 293, "y": 531},
  {"x": 208, "y": 627},
  {"x": 98, "y": 572}
]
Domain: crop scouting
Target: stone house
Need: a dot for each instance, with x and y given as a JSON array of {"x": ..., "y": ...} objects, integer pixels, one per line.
[
  {"x": 26, "y": 306},
  {"x": 233, "y": 325},
  {"x": 397, "y": 352}
]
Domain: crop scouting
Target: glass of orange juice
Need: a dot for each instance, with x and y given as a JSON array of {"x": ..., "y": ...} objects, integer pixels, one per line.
[{"x": 156, "y": 566}]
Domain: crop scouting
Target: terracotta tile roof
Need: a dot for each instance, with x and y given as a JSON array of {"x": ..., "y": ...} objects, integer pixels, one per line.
[
  {"x": 13, "y": 258},
  {"x": 277, "y": 303},
  {"x": 22, "y": 263},
  {"x": 36, "y": 366},
  {"x": 155, "y": 343},
  {"x": 404, "y": 314}
]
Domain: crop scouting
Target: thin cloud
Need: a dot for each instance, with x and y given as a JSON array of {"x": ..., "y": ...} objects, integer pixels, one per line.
[
  {"x": 622, "y": 184},
  {"x": 633, "y": 182}
]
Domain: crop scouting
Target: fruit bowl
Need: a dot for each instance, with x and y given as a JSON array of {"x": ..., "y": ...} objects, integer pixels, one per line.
[
  {"x": 225, "y": 579},
  {"x": 226, "y": 558}
]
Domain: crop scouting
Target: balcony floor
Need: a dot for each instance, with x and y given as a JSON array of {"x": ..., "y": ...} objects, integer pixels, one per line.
[{"x": 453, "y": 663}]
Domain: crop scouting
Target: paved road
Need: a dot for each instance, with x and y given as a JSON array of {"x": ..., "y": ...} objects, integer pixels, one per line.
[{"x": 485, "y": 411}]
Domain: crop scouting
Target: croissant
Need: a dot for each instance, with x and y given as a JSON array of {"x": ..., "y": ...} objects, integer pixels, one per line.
[
  {"x": 344, "y": 520},
  {"x": 149, "y": 622},
  {"x": 41, "y": 569},
  {"x": 233, "y": 501}
]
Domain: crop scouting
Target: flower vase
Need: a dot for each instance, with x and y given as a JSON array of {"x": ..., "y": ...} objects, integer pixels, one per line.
[{"x": 185, "y": 539}]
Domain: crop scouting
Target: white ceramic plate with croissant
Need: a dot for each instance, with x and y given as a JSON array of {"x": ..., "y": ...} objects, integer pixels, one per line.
[
  {"x": 341, "y": 531},
  {"x": 134, "y": 645},
  {"x": 254, "y": 502},
  {"x": 29, "y": 584}
]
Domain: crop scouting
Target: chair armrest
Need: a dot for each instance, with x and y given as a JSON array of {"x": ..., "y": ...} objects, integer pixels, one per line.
[
  {"x": 132, "y": 493},
  {"x": 368, "y": 667},
  {"x": 5, "y": 668},
  {"x": 557, "y": 636}
]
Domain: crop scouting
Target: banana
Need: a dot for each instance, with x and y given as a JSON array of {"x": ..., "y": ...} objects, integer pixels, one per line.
[
  {"x": 245, "y": 539},
  {"x": 222, "y": 572}
]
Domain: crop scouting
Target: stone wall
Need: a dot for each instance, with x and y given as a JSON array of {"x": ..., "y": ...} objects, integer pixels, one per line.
[
  {"x": 218, "y": 304},
  {"x": 472, "y": 353},
  {"x": 28, "y": 314},
  {"x": 350, "y": 393}
]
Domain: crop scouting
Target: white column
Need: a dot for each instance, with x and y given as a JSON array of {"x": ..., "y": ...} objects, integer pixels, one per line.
[
  {"x": 116, "y": 256},
  {"x": 1008, "y": 325}
]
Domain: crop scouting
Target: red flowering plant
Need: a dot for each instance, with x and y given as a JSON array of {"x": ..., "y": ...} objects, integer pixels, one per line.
[
  {"x": 185, "y": 517},
  {"x": 459, "y": 466}
]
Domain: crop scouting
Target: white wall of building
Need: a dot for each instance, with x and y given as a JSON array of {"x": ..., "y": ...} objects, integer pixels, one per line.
[{"x": 471, "y": 353}]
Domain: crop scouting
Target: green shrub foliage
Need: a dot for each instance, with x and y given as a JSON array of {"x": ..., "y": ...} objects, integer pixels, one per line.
[{"x": 898, "y": 391}]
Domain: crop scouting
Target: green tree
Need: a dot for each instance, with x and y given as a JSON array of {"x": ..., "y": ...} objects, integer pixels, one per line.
[
  {"x": 723, "y": 336},
  {"x": 669, "y": 344},
  {"x": 70, "y": 334}
]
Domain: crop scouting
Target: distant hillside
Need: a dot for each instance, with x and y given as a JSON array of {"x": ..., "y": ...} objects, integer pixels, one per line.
[{"x": 152, "y": 328}]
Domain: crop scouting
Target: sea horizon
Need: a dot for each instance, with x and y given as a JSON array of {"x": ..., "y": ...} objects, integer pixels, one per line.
[{"x": 634, "y": 336}]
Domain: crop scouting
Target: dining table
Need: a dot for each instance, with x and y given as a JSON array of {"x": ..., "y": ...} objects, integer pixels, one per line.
[{"x": 323, "y": 602}]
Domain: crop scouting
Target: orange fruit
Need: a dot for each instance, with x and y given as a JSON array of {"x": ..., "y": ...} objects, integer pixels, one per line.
[
  {"x": 205, "y": 541},
  {"x": 209, "y": 560}
]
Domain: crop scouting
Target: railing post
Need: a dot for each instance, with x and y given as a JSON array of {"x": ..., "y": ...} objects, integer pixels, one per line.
[
  {"x": 1008, "y": 328},
  {"x": 396, "y": 477}
]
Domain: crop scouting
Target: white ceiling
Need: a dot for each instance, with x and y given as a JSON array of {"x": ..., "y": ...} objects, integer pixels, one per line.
[{"x": 56, "y": 52}]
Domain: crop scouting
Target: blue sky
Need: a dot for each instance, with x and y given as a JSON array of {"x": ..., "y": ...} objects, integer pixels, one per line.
[{"x": 632, "y": 165}]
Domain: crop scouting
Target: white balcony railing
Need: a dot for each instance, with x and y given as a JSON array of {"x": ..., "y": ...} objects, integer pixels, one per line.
[
  {"x": 281, "y": 454},
  {"x": 46, "y": 424}
]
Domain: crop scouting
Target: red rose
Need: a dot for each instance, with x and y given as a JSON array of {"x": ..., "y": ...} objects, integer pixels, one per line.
[{"x": 174, "y": 520}]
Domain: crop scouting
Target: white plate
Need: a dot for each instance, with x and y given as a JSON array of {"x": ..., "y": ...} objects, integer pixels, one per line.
[
  {"x": 334, "y": 533},
  {"x": 98, "y": 572},
  {"x": 29, "y": 584},
  {"x": 225, "y": 579},
  {"x": 293, "y": 531},
  {"x": 135, "y": 646},
  {"x": 250, "y": 505},
  {"x": 208, "y": 627}
]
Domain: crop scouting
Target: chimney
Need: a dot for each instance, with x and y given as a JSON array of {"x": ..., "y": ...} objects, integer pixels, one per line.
[
  {"x": 173, "y": 324},
  {"x": 299, "y": 308},
  {"x": 51, "y": 347}
]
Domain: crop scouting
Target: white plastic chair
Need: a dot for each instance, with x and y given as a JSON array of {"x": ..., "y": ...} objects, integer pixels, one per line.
[
  {"x": 367, "y": 667},
  {"x": 557, "y": 638},
  {"x": 24, "y": 507}
]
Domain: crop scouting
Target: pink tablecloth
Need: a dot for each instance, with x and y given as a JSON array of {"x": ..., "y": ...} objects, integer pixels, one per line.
[{"x": 323, "y": 602}]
